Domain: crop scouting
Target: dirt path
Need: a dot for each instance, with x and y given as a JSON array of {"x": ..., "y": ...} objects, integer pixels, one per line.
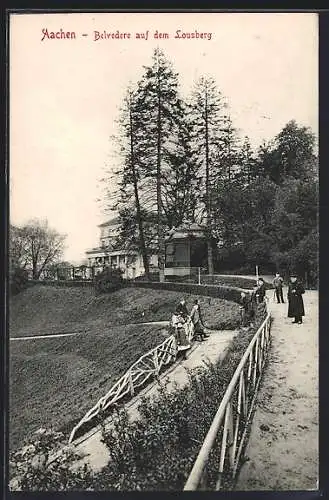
[
  {"x": 283, "y": 447},
  {"x": 96, "y": 454},
  {"x": 50, "y": 336}
]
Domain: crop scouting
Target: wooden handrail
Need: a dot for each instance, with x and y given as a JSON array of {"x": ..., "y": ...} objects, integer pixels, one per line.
[
  {"x": 249, "y": 358},
  {"x": 157, "y": 357}
]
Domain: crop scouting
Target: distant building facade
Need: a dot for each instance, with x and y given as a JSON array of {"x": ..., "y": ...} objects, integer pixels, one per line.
[{"x": 108, "y": 255}]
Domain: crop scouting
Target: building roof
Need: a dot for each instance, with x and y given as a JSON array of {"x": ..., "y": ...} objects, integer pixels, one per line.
[
  {"x": 111, "y": 222},
  {"x": 185, "y": 231},
  {"x": 110, "y": 252}
]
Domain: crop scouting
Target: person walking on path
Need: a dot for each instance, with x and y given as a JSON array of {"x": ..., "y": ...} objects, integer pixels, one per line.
[
  {"x": 278, "y": 285},
  {"x": 196, "y": 317},
  {"x": 295, "y": 299}
]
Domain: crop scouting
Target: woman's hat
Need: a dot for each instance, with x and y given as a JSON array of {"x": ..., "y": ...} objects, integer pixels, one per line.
[{"x": 293, "y": 275}]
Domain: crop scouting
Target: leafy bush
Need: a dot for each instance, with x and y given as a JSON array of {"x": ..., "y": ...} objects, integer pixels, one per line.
[
  {"x": 109, "y": 281},
  {"x": 39, "y": 467},
  {"x": 18, "y": 279}
]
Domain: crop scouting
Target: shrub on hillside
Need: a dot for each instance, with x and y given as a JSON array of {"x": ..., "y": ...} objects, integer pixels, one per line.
[
  {"x": 36, "y": 467},
  {"x": 109, "y": 280},
  {"x": 18, "y": 279}
]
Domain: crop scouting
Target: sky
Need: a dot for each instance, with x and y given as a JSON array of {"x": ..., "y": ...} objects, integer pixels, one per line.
[{"x": 65, "y": 96}]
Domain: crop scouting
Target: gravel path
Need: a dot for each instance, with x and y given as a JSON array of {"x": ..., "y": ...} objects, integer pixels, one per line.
[{"x": 283, "y": 447}]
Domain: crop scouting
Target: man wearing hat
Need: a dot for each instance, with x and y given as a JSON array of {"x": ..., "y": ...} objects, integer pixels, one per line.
[{"x": 295, "y": 299}]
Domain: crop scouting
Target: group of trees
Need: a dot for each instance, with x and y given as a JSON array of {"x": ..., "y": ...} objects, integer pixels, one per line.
[
  {"x": 33, "y": 247},
  {"x": 182, "y": 160},
  {"x": 272, "y": 219}
]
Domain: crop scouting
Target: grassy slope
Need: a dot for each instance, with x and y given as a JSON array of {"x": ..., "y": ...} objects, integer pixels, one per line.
[
  {"x": 53, "y": 382},
  {"x": 41, "y": 310}
]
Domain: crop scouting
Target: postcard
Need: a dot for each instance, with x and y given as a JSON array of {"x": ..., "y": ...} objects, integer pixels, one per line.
[{"x": 163, "y": 251}]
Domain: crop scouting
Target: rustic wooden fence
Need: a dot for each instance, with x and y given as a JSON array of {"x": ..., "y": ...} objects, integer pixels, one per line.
[
  {"x": 220, "y": 454},
  {"x": 146, "y": 367}
]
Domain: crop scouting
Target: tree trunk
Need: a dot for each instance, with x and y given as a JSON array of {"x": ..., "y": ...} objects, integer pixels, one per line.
[
  {"x": 161, "y": 244},
  {"x": 35, "y": 271},
  {"x": 209, "y": 239},
  {"x": 138, "y": 207}
]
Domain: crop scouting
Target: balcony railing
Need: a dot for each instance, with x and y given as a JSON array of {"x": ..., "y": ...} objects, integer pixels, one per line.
[{"x": 219, "y": 458}]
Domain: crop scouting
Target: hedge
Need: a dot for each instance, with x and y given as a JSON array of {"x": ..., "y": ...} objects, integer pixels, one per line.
[
  {"x": 216, "y": 291},
  {"x": 62, "y": 283},
  {"x": 18, "y": 279}
]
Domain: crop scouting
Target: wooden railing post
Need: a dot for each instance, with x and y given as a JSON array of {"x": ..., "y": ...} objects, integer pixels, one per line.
[
  {"x": 204, "y": 480},
  {"x": 156, "y": 363},
  {"x": 131, "y": 384},
  {"x": 254, "y": 375}
]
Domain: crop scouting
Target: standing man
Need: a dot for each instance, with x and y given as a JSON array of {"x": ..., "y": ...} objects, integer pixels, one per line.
[
  {"x": 278, "y": 284},
  {"x": 295, "y": 299}
]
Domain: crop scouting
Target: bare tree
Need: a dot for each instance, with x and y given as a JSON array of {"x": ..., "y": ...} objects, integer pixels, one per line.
[{"x": 36, "y": 246}]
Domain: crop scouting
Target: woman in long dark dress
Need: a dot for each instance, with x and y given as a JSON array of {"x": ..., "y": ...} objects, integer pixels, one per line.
[{"x": 295, "y": 299}]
